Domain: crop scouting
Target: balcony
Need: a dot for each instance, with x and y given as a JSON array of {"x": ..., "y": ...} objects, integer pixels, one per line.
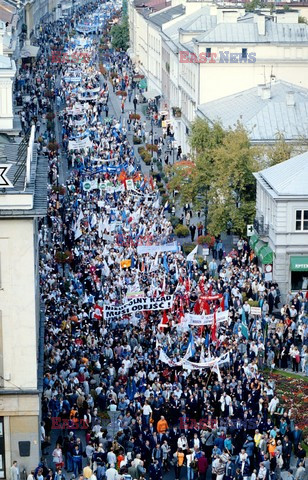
[{"x": 260, "y": 227}]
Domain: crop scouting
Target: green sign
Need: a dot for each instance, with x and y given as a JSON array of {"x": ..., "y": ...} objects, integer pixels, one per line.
[{"x": 299, "y": 264}]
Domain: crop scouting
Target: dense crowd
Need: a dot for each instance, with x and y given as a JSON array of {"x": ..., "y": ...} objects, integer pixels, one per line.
[{"x": 173, "y": 418}]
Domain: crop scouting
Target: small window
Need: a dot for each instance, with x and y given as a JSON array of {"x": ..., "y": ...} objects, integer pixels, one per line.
[
  {"x": 301, "y": 222},
  {"x": 244, "y": 52},
  {"x": 208, "y": 52}
]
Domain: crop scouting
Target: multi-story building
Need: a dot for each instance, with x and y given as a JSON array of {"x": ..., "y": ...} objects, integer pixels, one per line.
[
  {"x": 281, "y": 225},
  {"x": 219, "y": 51},
  {"x": 21, "y": 321}
]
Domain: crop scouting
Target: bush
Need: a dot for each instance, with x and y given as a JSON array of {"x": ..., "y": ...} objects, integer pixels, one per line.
[
  {"x": 159, "y": 184},
  {"x": 151, "y": 147},
  {"x": 136, "y": 140},
  {"x": 200, "y": 260},
  {"x": 181, "y": 231},
  {"x": 147, "y": 159},
  {"x": 206, "y": 240},
  {"x": 253, "y": 303},
  {"x": 141, "y": 150},
  {"x": 162, "y": 191},
  {"x": 50, "y": 126},
  {"x": 175, "y": 221},
  {"x": 164, "y": 198},
  {"x": 64, "y": 257},
  {"x": 121, "y": 93},
  {"x": 134, "y": 116},
  {"x": 188, "y": 247},
  {"x": 53, "y": 146}
]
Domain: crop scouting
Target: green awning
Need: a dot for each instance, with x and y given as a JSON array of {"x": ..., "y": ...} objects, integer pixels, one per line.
[
  {"x": 258, "y": 246},
  {"x": 299, "y": 264},
  {"x": 253, "y": 240},
  {"x": 143, "y": 83},
  {"x": 266, "y": 255}
]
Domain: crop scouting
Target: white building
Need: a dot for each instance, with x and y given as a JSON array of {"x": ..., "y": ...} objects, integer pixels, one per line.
[
  {"x": 21, "y": 322},
  {"x": 282, "y": 221},
  {"x": 266, "y": 111},
  {"x": 7, "y": 74},
  {"x": 245, "y": 50}
]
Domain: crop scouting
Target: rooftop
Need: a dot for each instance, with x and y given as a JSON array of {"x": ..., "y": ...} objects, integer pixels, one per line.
[
  {"x": 245, "y": 31},
  {"x": 167, "y": 15},
  {"x": 286, "y": 111},
  {"x": 289, "y": 178},
  {"x": 24, "y": 199}
]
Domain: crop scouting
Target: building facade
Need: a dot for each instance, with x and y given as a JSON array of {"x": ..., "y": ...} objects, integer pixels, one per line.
[
  {"x": 21, "y": 321},
  {"x": 282, "y": 221},
  {"x": 219, "y": 51}
]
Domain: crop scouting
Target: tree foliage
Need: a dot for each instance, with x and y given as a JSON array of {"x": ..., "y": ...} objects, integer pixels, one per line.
[
  {"x": 120, "y": 34},
  {"x": 280, "y": 151},
  {"x": 219, "y": 180}
]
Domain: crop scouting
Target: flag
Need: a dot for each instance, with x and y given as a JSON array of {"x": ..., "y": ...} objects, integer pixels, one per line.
[
  {"x": 106, "y": 269},
  {"x": 207, "y": 340},
  {"x": 78, "y": 231},
  {"x": 191, "y": 345},
  {"x": 98, "y": 312},
  {"x": 244, "y": 325},
  {"x": 191, "y": 255},
  {"x": 181, "y": 312},
  {"x": 214, "y": 329},
  {"x": 216, "y": 370},
  {"x": 165, "y": 263},
  {"x": 156, "y": 203},
  {"x": 202, "y": 356},
  {"x": 164, "y": 322},
  {"x": 176, "y": 271}
]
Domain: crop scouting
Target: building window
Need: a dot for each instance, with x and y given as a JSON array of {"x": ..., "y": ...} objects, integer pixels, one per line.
[
  {"x": 244, "y": 52},
  {"x": 208, "y": 52},
  {"x": 301, "y": 223}
]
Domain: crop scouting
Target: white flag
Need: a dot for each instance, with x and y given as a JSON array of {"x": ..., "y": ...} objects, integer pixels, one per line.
[
  {"x": 106, "y": 269},
  {"x": 100, "y": 228},
  {"x": 192, "y": 254},
  {"x": 78, "y": 231},
  {"x": 215, "y": 369}
]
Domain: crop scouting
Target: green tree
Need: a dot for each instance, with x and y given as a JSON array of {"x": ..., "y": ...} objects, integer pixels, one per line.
[
  {"x": 219, "y": 180},
  {"x": 193, "y": 178},
  {"x": 120, "y": 34},
  {"x": 233, "y": 188},
  {"x": 280, "y": 151}
]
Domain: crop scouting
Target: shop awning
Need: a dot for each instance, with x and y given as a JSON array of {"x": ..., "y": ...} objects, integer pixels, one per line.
[
  {"x": 299, "y": 264},
  {"x": 143, "y": 83},
  {"x": 266, "y": 255},
  {"x": 258, "y": 247},
  {"x": 150, "y": 94},
  {"x": 253, "y": 240}
]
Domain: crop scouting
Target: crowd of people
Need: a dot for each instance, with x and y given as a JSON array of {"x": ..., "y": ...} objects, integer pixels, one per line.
[{"x": 119, "y": 401}]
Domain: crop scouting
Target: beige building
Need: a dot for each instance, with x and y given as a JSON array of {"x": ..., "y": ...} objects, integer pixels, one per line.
[
  {"x": 21, "y": 322},
  {"x": 246, "y": 49}
]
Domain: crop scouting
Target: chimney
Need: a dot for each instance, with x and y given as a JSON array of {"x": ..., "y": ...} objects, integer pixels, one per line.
[
  {"x": 261, "y": 24},
  {"x": 260, "y": 87},
  {"x": 290, "y": 99},
  {"x": 266, "y": 93}
]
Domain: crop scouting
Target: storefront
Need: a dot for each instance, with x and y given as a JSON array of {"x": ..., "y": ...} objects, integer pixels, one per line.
[{"x": 299, "y": 272}]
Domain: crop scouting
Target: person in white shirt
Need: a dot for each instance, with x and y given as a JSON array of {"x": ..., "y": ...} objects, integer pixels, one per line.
[
  {"x": 273, "y": 405},
  {"x": 182, "y": 442},
  {"x": 111, "y": 458},
  {"x": 146, "y": 412},
  {"x": 111, "y": 473}
]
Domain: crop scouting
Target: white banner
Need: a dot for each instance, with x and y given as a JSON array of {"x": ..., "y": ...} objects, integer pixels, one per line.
[
  {"x": 80, "y": 123},
  {"x": 185, "y": 363},
  {"x": 168, "y": 247},
  {"x": 78, "y": 144},
  {"x": 196, "y": 320},
  {"x": 138, "y": 305}
]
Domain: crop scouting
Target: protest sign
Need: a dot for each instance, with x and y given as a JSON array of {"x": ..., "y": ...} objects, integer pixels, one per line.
[
  {"x": 168, "y": 247},
  {"x": 138, "y": 305}
]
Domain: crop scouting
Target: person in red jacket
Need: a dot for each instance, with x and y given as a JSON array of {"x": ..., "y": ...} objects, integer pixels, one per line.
[{"x": 202, "y": 466}]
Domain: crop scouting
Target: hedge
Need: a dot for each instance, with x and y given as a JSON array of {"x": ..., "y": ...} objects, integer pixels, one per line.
[{"x": 181, "y": 231}]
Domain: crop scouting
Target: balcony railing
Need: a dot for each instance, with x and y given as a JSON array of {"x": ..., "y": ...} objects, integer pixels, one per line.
[{"x": 261, "y": 227}]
